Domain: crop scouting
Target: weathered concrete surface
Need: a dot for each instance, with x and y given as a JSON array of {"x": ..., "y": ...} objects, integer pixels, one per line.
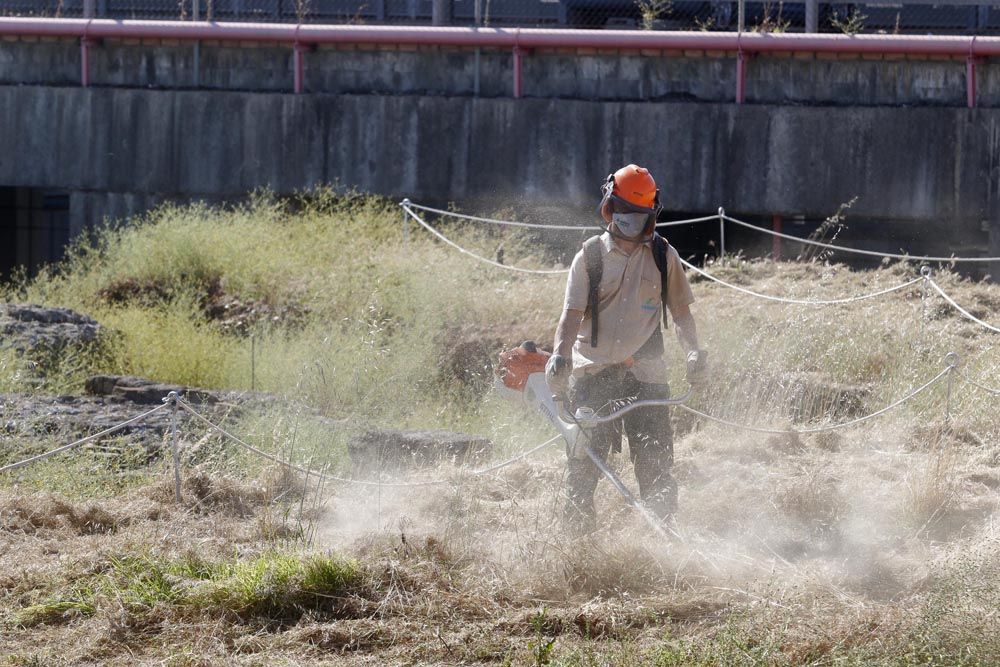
[
  {"x": 901, "y": 163},
  {"x": 613, "y": 76}
]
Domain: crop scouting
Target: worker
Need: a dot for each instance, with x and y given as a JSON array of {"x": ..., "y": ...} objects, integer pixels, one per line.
[{"x": 608, "y": 347}]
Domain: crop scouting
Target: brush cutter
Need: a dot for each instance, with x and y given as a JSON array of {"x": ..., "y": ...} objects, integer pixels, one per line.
[{"x": 520, "y": 377}]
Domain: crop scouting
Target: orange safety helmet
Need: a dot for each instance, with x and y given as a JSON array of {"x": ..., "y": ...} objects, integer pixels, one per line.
[{"x": 631, "y": 189}]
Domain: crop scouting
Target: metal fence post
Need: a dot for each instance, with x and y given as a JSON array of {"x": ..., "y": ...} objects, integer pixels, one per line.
[
  {"x": 299, "y": 66},
  {"x": 812, "y": 16},
  {"x": 776, "y": 225},
  {"x": 85, "y": 44},
  {"x": 172, "y": 398},
  {"x": 253, "y": 362},
  {"x": 952, "y": 360},
  {"x": 406, "y": 223},
  {"x": 196, "y": 16},
  {"x": 518, "y": 67},
  {"x": 970, "y": 81},
  {"x": 441, "y": 12},
  {"x": 478, "y": 20},
  {"x": 722, "y": 233},
  {"x": 741, "y": 76},
  {"x": 925, "y": 271}
]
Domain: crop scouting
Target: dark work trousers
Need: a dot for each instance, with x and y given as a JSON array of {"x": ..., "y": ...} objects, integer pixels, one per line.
[{"x": 650, "y": 444}]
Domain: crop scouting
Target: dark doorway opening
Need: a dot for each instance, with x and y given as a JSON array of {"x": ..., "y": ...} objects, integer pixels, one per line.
[{"x": 34, "y": 228}]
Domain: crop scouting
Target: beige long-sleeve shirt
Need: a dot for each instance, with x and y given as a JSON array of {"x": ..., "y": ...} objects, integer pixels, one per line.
[{"x": 630, "y": 308}]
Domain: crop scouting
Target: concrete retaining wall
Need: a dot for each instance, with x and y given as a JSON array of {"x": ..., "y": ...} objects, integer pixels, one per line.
[
  {"x": 919, "y": 163},
  {"x": 607, "y": 76},
  {"x": 932, "y": 165},
  {"x": 814, "y": 134}
]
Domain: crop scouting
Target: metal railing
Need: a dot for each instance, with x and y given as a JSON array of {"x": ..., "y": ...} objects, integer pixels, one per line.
[
  {"x": 939, "y": 16},
  {"x": 301, "y": 37}
]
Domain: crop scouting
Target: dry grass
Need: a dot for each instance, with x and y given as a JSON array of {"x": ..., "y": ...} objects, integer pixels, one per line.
[{"x": 875, "y": 544}]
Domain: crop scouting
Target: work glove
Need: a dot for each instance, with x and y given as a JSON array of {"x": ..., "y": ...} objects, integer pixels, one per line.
[
  {"x": 697, "y": 367},
  {"x": 557, "y": 371}
]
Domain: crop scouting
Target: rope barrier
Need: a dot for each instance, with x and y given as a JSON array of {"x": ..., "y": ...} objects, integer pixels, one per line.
[
  {"x": 493, "y": 221},
  {"x": 479, "y": 257},
  {"x": 529, "y": 225},
  {"x": 858, "y": 251},
  {"x": 808, "y": 302},
  {"x": 820, "y": 429},
  {"x": 407, "y": 204},
  {"x": 362, "y": 482},
  {"x": 813, "y": 302},
  {"x": 959, "y": 308},
  {"x": 988, "y": 390},
  {"x": 82, "y": 441}
]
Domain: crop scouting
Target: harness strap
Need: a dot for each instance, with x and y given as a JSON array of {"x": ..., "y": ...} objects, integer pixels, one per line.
[
  {"x": 660, "y": 246},
  {"x": 595, "y": 272}
]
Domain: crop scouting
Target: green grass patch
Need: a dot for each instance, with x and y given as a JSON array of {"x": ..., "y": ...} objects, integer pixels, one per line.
[{"x": 272, "y": 587}]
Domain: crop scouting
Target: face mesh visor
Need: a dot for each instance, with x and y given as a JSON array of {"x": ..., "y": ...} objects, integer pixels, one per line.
[{"x": 619, "y": 205}]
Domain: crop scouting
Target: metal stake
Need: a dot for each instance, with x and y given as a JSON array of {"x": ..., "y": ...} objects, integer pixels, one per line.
[
  {"x": 925, "y": 271},
  {"x": 952, "y": 360},
  {"x": 172, "y": 398},
  {"x": 253, "y": 363},
  {"x": 406, "y": 224},
  {"x": 722, "y": 234},
  {"x": 196, "y": 16}
]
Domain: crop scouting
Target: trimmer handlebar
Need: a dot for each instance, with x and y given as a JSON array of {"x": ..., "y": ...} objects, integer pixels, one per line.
[{"x": 588, "y": 419}]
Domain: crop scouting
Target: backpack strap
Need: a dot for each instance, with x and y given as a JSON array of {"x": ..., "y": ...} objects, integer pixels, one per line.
[
  {"x": 595, "y": 271},
  {"x": 660, "y": 246}
]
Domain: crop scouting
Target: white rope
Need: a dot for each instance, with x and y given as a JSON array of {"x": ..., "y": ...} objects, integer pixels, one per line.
[
  {"x": 988, "y": 390},
  {"x": 674, "y": 223},
  {"x": 89, "y": 438},
  {"x": 820, "y": 429},
  {"x": 808, "y": 302},
  {"x": 529, "y": 225},
  {"x": 480, "y": 257},
  {"x": 707, "y": 218},
  {"x": 363, "y": 482},
  {"x": 492, "y": 221},
  {"x": 871, "y": 253},
  {"x": 957, "y": 307}
]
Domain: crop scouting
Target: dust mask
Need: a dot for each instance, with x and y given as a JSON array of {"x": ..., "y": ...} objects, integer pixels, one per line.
[{"x": 630, "y": 225}]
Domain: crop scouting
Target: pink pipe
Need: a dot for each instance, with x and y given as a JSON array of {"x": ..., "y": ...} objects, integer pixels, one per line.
[
  {"x": 518, "y": 68},
  {"x": 970, "y": 82},
  {"x": 85, "y": 44},
  {"x": 741, "y": 77},
  {"x": 749, "y": 43},
  {"x": 298, "y": 60}
]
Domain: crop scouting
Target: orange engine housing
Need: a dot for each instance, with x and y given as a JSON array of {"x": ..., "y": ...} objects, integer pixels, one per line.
[{"x": 517, "y": 364}]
